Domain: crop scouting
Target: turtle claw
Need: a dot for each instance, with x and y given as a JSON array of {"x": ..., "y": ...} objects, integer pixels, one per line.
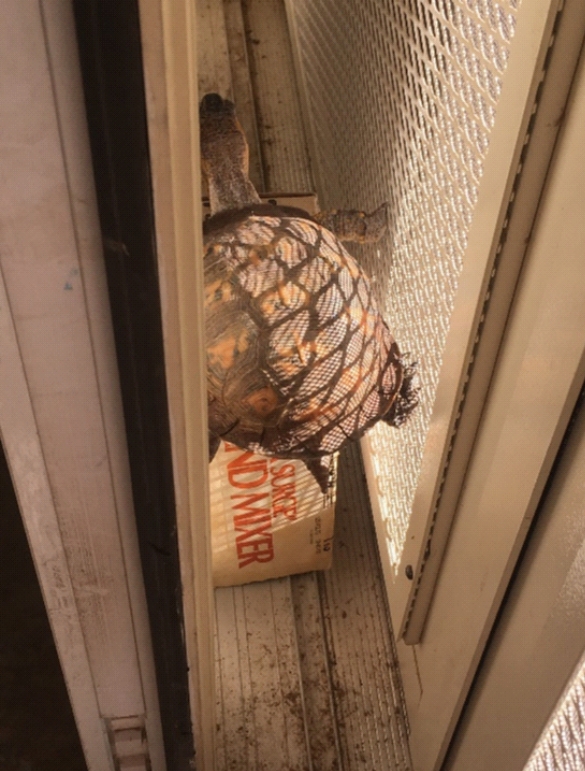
[{"x": 355, "y": 225}]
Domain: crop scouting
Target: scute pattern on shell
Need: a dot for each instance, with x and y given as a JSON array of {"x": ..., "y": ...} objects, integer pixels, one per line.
[{"x": 299, "y": 359}]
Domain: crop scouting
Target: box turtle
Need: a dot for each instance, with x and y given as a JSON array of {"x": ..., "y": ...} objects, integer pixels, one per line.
[{"x": 299, "y": 359}]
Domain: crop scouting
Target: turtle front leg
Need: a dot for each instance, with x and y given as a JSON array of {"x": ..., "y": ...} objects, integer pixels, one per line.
[{"x": 354, "y": 225}]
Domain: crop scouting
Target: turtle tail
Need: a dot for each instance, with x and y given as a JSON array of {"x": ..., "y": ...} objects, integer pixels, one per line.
[
  {"x": 214, "y": 442},
  {"x": 322, "y": 471}
]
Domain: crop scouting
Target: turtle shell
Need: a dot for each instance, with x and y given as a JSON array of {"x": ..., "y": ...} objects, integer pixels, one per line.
[{"x": 299, "y": 359}]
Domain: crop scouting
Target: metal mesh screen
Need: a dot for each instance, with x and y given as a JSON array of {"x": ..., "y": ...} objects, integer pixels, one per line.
[
  {"x": 562, "y": 744},
  {"x": 401, "y": 98}
]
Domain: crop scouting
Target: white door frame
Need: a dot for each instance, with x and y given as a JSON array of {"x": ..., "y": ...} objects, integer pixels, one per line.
[
  {"x": 541, "y": 635},
  {"x": 169, "y": 49},
  {"x": 61, "y": 420},
  {"x": 539, "y": 373}
]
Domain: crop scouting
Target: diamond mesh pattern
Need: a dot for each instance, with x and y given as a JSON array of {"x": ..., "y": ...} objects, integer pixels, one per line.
[
  {"x": 562, "y": 745},
  {"x": 299, "y": 357},
  {"x": 401, "y": 96}
]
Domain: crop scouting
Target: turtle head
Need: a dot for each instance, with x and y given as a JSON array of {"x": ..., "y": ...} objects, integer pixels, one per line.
[
  {"x": 224, "y": 155},
  {"x": 407, "y": 397},
  {"x": 213, "y": 104}
]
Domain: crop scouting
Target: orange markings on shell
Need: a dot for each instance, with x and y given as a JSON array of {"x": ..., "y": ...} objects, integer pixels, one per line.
[
  {"x": 224, "y": 351},
  {"x": 263, "y": 401},
  {"x": 303, "y": 310},
  {"x": 218, "y": 292}
]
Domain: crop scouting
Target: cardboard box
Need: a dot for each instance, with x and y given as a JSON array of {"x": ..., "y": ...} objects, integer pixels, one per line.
[{"x": 268, "y": 518}]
